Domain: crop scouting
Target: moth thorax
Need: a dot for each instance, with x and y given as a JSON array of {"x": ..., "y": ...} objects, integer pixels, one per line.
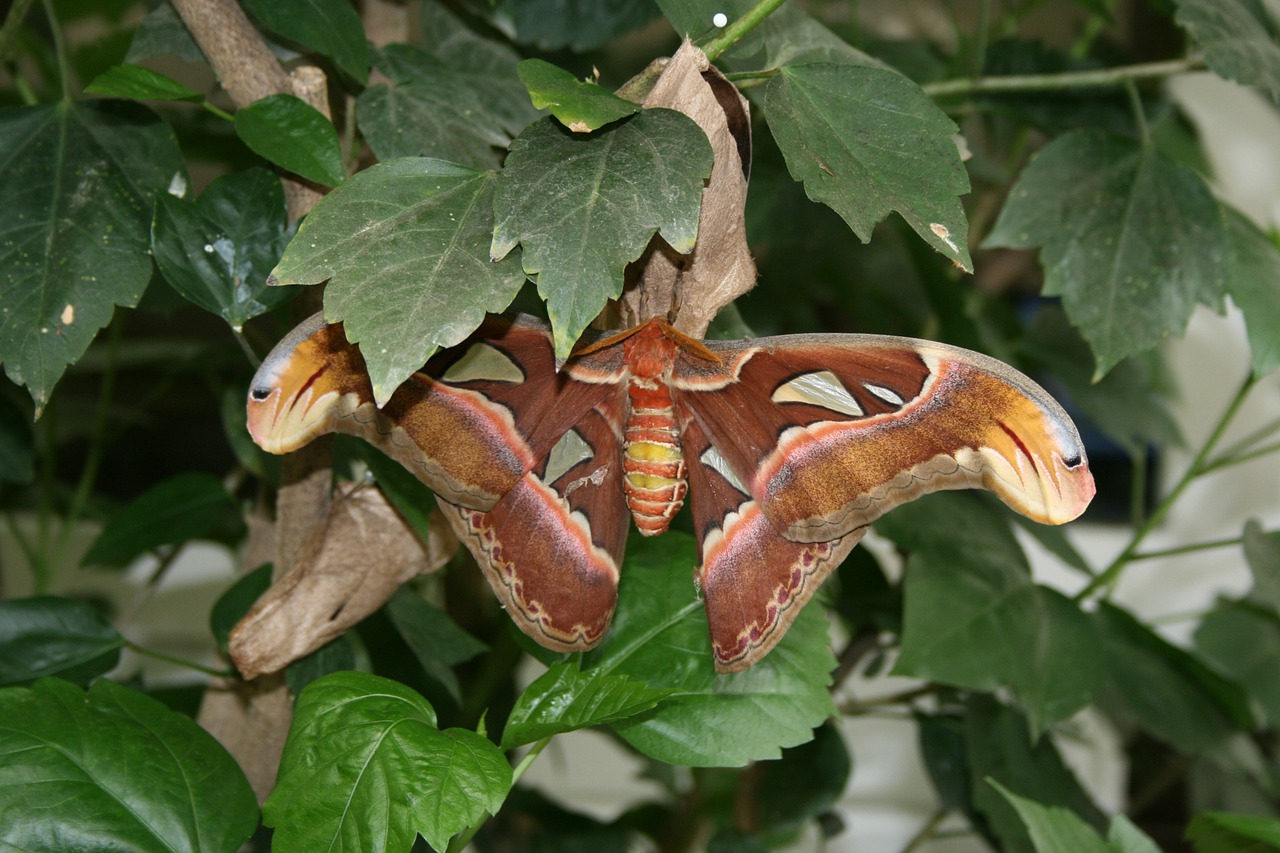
[{"x": 652, "y": 461}]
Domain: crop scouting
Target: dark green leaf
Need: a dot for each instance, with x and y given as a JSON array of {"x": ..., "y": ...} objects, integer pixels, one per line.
[
  {"x": 970, "y": 624},
  {"x": 46, "y": 635},
  {"x": 659, "y": 637},
  {"x": 585, "y": 205},
  {"x": 365, "y": 768},
  {"x": 1152, "y": 684},
  {"x": 956, "y": 523},
  {"x": 1219, "y": 832},
  {"x": 1262, "y": 552},
  {"x": 113, "y": 769},
  {"x": 736, "y": 841},
  {"x": 162, "y": 32},
  {"x": 942, "y": 746},
  {"x": 233, "y": 604},
  {"x": 1000, "y": 749},
  {"x": 1244, "y": 643},
  {"x": 867, "y": 142},
  {"x": 435, "y": 639},
  {"x": 329, "y": 27},
  {"x": 408, "y": 495},
  {"x": 17, "y": 443},
  {"x": 194, "y": 505},
  {"x": 337, "y": 655},
  {"x": 576, "y": 24},
  {"x": 1240, "y": 39},
  {"x": 580, "y": 105},
  {"x": 219, "y": 251},
  {"x": 405, "y": 247},
  {"x": 77, "y": 185},
  {"x": 1054, "y": 829},
  {"x": 1131, "y": 239},
  {"x": 140, "y": 84},
  {"x": 488, "y": 64},
  {"x": 1253, "y": 281},
  {"x": 564, "y": 699},
  {"x": 804, "y": 783},
  {"x": 294, "y": 135}
]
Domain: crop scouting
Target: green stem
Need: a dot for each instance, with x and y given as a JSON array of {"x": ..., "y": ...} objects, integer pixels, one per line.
[
  {"x": 189, "y": 664},
  {"x": 1226, "y": 461},
  {"x": 1139, "y": 114},
  {"x": 980, "y": 53},
  {"x": 13, "y": 20},
  {"x": 60, "y": 50},
  {"x": 218, "y": 111},
  {"x": 462, "y": 839},
  {"x": 739, "y": 28},
  {"x": 925, "y": 833},
  {"x": 97, "y": 445},
  {"x": 1197, "y": 467},
  {"x": 1187, "y": 549},
  {"x": 1066, "y": 80}
]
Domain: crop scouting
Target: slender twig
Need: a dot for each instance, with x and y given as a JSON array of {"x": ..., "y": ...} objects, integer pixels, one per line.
[
  {"x": 1197, "y": 467},
  {"x": 1186, "y": 549},
  {"x": 1226, "y": 462},
  {"x": 739, "y": 28},
  {"x": 1139, "y": 114},
  {"x": 218, "y": 111},
  {"x": 926, "y": 831},
  {"x": 13, "y": 20},
  {"x": 1065, "y": 80},
  {"x": 189, "y": 664},
  {"x": 97, "y": 445},
  {"x": 59, "y": 50},
  {"x": 1245, "y": 443}
]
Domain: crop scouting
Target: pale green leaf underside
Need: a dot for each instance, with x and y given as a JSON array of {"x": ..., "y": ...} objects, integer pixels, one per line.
[
  {"x": 1240, "y": 40},
  {"x": 868, "y": 142},
  {"x": 405, "y": 248},
  {"x": 1254, "y": 285}
]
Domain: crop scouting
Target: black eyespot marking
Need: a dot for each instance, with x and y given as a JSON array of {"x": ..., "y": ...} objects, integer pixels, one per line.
[
  {"x": 1072, "y": 461},
  {"x": 260, "y": 394}
]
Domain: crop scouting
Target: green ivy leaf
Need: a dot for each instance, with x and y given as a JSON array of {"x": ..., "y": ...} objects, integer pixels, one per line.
[
  {"x": 140, "y": 84},
  {"x": 789, "y": 36},
  {"x": 365, "y": 768},
  {"x": 1054, "y": 829},
  {"x": 233, "y": 604},
  {"x": 974, "y": 618},
  {"x": 1240, "y": 38},
  {"x": 47, "y": 635},
  {"x": 999, "y": 748},
  {"x": 583, "y": 206},
  {"x": 1262, "y": 552},
  {"x": 1220, "y": 832},
  {"x": 405, "y": 247},
  {"x": 331, "y": 28},
  {"x": 435, "y": 640},
  {"x": 294, "y": 135},
  {"x": 1167, "y": 692},
  {"x": 113, "y": 769},
  {"x": 1253, "y": 280},
  {"x": 77, "y": 184},
  {"x": 218, "y": 251},
  {"x": 659, "y": 637},
  {"x": 578, "y": 25},
  {"x": 580, "y": 105},
  {"x": 194, "y": 505},
  {"x": 1243, "y": 642},
  {"x": 867, "y": 142},
  {"x": 565, "y": 698},
  {"x": 1131, "y": 239}
]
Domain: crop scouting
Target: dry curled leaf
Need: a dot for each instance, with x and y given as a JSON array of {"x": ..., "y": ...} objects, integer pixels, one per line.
[
  {"x": 351, "y": 563},
  {"x": 720, "y": 268}
]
